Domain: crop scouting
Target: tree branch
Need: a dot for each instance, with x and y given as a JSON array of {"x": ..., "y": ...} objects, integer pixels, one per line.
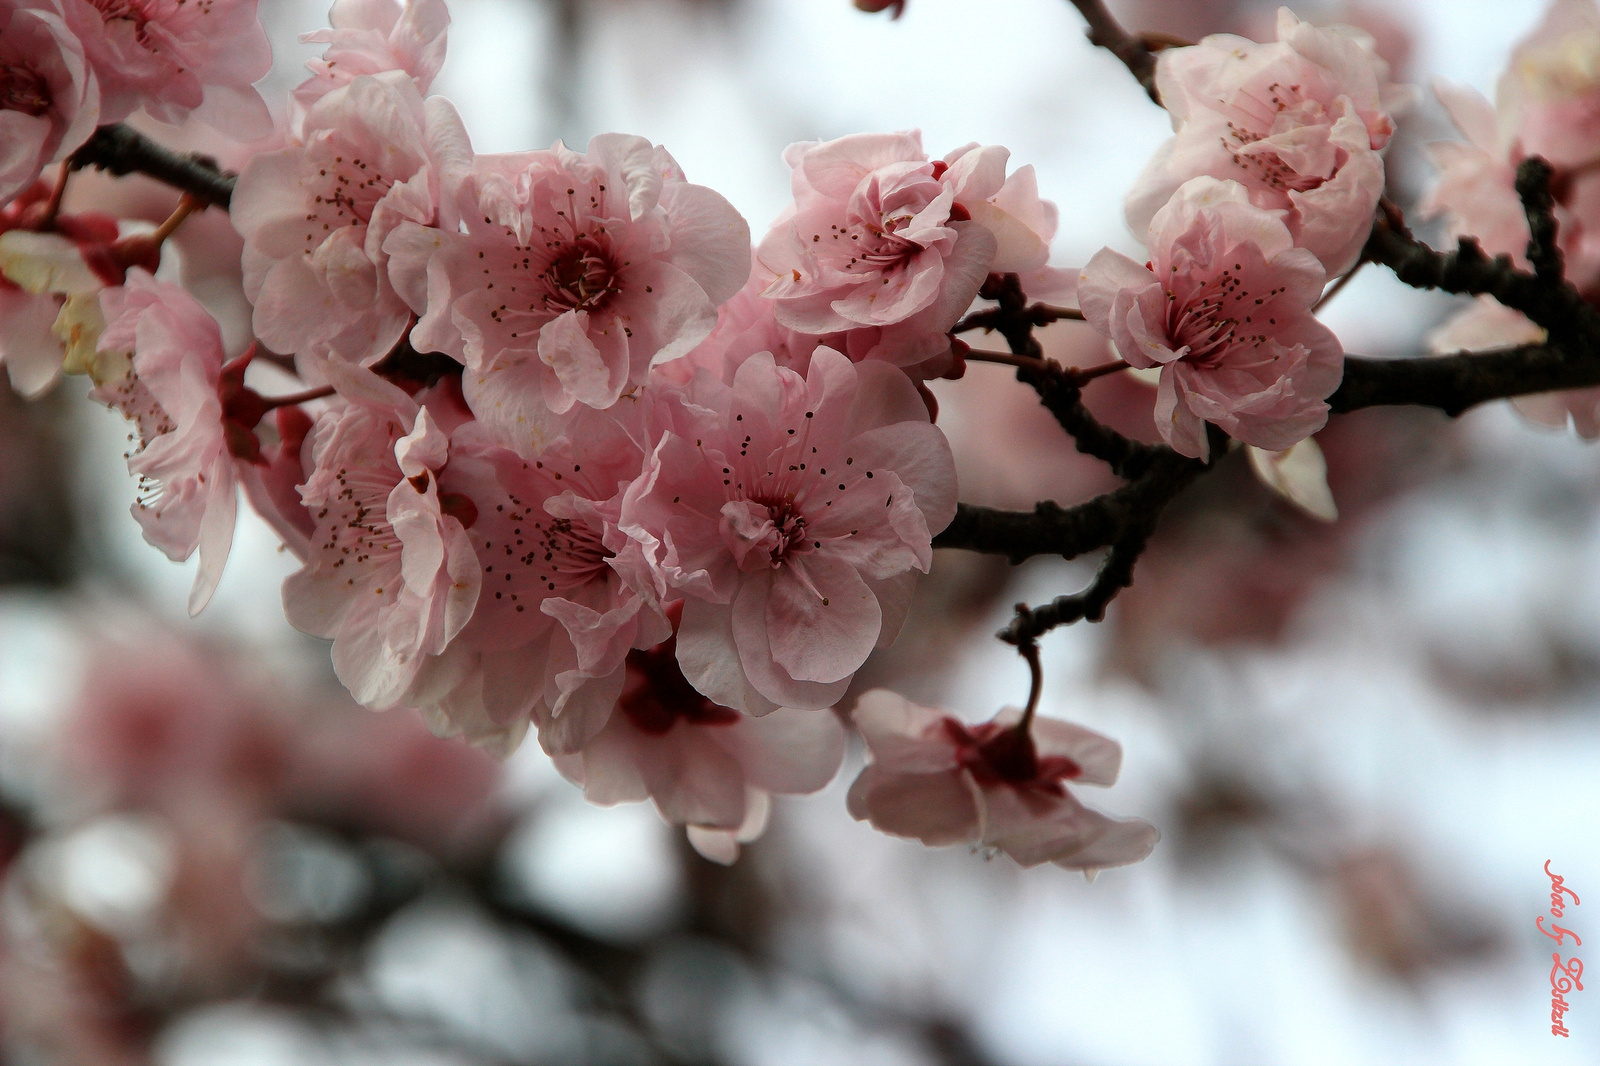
[
  {"x": 120, "y": 149},
  {"x": 1107, "y": 33}
]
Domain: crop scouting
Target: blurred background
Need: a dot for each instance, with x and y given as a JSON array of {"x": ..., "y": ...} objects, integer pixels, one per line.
[{"x": 1361, "y": 740}]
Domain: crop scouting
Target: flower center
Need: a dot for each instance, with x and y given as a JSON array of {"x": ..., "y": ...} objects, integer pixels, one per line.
[
  {"x": 656, "y": 696},
  {"x": 23, "y": 89},
  {"x": 574, "y": 551},
  {"x": 580, "y": 278},
  {"x": 995, "y": 752}
]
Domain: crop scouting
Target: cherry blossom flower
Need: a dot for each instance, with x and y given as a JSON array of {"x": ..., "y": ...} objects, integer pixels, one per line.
[
  {"x": 936, "y": 780},
  {"x": 880, "y": 238},
  {"x": 52, "y": 270},
  {"x": 392, "y": 577},
  {"x": 49, "y": 96},
  {"x": 315, "y": 216},
  {"x": 561, "y": 605},
  {"x": 171, "y": 393},
  {"x": 572, "y": 274},
  {"x": 372, "y": 37},
  {"x": 791, "y": 513},
  {"x": 1299, "y": 123},
  {"x": 173, "y": 57},
  {"x": 706, "y": 766},
  {"x": 1224, "y": 308},
  {"x": 272, "y": 482}
]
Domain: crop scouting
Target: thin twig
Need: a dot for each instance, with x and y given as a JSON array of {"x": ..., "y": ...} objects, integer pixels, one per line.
[
  {"x": 1003, "y": 358},
  {"x": 1338, "y": 286}
]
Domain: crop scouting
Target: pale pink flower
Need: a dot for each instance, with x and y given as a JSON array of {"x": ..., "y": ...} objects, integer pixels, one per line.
[
  {"x": 706, "y": 766},
  {"x": 272, "y": 483},
  {"x": 937, "y": 780},
  {"x": 1476, "y": 190},
  {"x": 792, "y": 514},
  {"x": 572, "y": 274},
  {"x": 1549, "y": 95},
  {"x": 881, "y": 238},
  {"x": 49, "y": 97},
  {"x": 374, "y": 36},
  {"x": 560, "y": 606},
  {"x": 1299, "y": 123},
  {"x": 315, "y": 216},
  {"x": 187, "y": 498},
  {"x": 392, "y": 577},
  {"x": 1224, "y": 308},
  {"x": 174, "y": 57}
]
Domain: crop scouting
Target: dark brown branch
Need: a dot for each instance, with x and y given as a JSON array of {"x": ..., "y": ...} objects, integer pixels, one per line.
[
  {"x": 120, "y": 149},
  {"x": 1533, "y": 187},
  {"x": 1134, "y": 51},
  {"x": 1050, "y": 529},
  {"x": 1454, "y": 383},
  {"x": 1467, "y": 271},
  {"x": 1114, "y": 575}
]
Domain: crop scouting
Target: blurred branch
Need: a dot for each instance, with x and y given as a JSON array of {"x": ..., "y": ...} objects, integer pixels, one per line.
[
  {"x": 1134, "y": 51},
  {"x": 120, "y": 149}
]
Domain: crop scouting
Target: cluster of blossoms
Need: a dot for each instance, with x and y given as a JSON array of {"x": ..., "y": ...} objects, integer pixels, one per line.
[
  {"x": 576, "y": 455},
  {"x": 1548, "y": 105}
]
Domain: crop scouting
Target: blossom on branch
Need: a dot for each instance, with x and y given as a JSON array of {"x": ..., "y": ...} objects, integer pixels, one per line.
[
  {"x": 1223, "y": 307},
  {"x": 49, "y": 96},
  {"x": 570, "y": 275},
  {"x": 934, "y": 779},
  {"x": 315, "y": 215},
  {"x": 706, "y": 766},
  {"x": 791, "y": 514},
  {"x": 174, "y": 57},
  {"x": 1299, "y": 123},
  {"x": 391, "y": 577},
  {"x": 172, "y": 393},
  {"x": 374, "y": 37}
]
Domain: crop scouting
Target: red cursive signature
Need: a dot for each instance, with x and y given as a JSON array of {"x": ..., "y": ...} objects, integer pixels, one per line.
[{"x": 1564, "y": 976}]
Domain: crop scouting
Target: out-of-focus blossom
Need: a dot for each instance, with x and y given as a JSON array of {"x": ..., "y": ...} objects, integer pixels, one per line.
[
  {"x": 1224, "y": 308},
  {"x": 706, "y": 766},
  {"x": 187, "y": 491},
  {"x": 1547, "y": 104},
  {"x": 315, "y": 216},
  {"x": 392, "y": 577},
  {"x": 174, "y": 57},
  {"x": 1300, "y": 475},
  {"x": 373, "y": 37},
  {"x": 49, "y": 97},
  {"x": 557, "y": 614},
  {"x": 882, "y": 239},
  {"x": 792, "y": 514},
  {"x": 572, "y": 274},
  {"x": 1299, "y": 123},
  {"x": 936, "y": 780}
]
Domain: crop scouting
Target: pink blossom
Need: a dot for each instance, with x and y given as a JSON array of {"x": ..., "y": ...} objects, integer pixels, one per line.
[
  {"x": 706, "y": 766},
  {"x": 51, "y": 274},
  {"x": 936, "y": 780},
  {"x": 372, "y": 37},
  {"x": 561, "y": 605},
  {"x": 272, "y": 483},
  {"x": 49, "y": 97},
  {"x": 1476, "y": 190},
  {"x": 791, "y": 513},
  {"x": 315, "y": 216},
  {"x": 187, "y": 497},
  {"x": 1224, "y": 308},
  {"x": 881, "y": 238},
  {"x": 572, "y": 274},
  {"x": 1549, "y": 96},
  {"x": 392, "y": 577},
  {"x": 174, "y": 57},
  {"x": 1299, "y": 123}
]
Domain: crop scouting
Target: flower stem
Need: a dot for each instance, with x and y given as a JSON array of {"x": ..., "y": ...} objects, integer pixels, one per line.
[
  {"x": 187, "y": 205},
  {"x": 1338, "y": 286},
  {"x": 1030, "y": 651},
  {"x": 1005, "y": 358},
  {"x": 1083, "y": 377}
]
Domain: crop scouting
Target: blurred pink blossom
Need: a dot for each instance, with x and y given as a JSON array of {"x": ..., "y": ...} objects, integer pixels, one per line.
[{"x": 373, "y": 37}]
